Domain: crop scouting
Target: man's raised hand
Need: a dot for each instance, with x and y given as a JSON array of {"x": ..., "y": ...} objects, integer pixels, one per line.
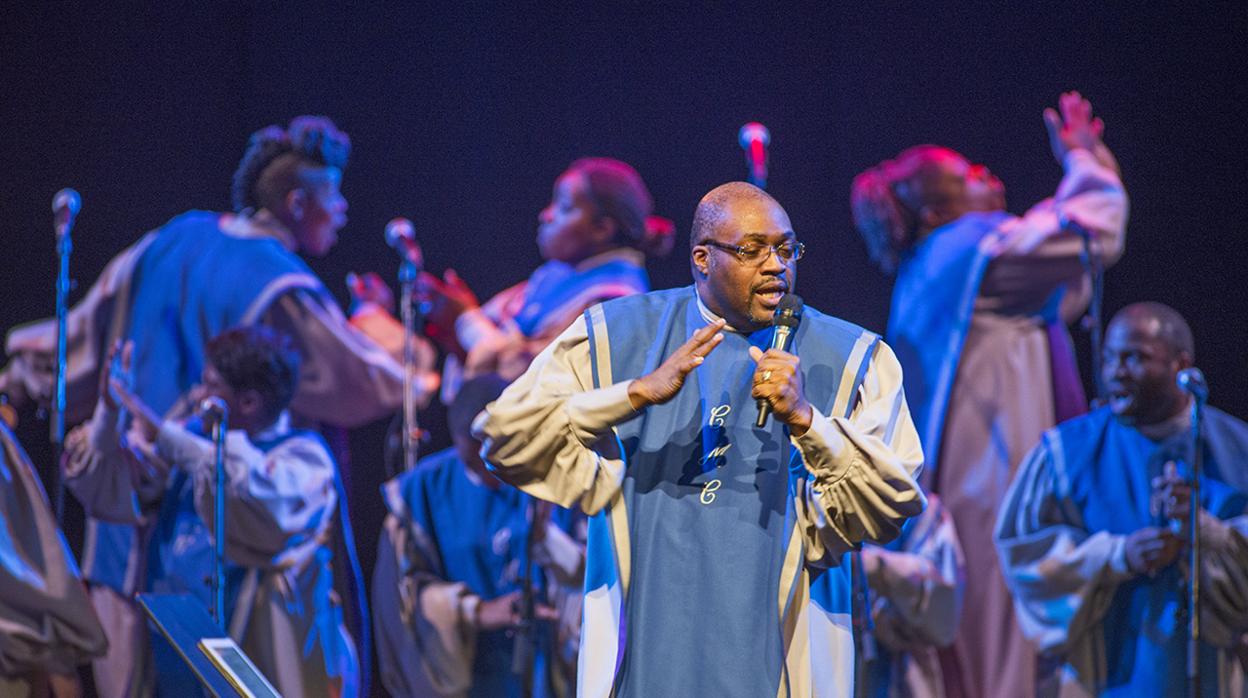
[{"x": 664, "y": 382}]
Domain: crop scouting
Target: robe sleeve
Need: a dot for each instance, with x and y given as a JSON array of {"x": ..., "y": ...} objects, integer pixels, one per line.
[
  {"x": 1039, "y": 252},
  {"x": 32, "y": 347},
  {"x": 918, "y": 588},
  {"x": 1062, "y": 577},
  {"x": 549, "y": 433},
  {"x": 482, "y": 324},
  {"x": 47, "y": 622},
  {"x": 279, "y": 504},
  {"x": 117, "y": 478},
  {"x": 862, "y": 471},
  {"x": 1224, "y": 579},
  {"x": 426, "y": 637},
  {"x": 347, "y": 379}
]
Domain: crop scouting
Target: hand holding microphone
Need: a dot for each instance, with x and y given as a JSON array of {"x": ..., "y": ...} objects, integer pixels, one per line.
[{"x": 777, "y": 381}]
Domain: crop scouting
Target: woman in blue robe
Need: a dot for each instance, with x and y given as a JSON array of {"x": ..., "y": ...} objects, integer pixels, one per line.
[{"x": 595, "y": 236}]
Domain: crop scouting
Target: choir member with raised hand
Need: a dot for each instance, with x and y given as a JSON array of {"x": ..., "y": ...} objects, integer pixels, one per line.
[
  {"x": 191, "y": 279},
  {"x": 283, "y": 503},
  {"x": 978, "y": 321}
]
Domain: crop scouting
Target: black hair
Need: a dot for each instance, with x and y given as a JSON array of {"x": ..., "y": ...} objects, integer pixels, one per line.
[
  {"x": 275, "y": 155},
  {"x": 259, "y": 358},
  {"x": 620, "y": 194},
  {"x": 473, "y": 396}
]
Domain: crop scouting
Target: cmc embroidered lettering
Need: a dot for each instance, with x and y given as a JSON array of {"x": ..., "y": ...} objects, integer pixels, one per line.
[
  {"x": 708, "y": 491},
  {"x": 717, "y": 452}
]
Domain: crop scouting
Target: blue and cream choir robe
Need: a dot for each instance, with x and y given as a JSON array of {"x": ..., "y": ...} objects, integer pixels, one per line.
[
  {"x": 282, "y": 496},
  {"x": 507, "y": 331},
  {"x": 717, "y": 557},
  {"x": 1107, "y": 631},
  {"x": 47, "y": 624},
  {"x": 978, "y": 322},
  {"x": 916, "y": 584},
  {"x": 178, "y": 286},
  {"x": 449, "y": 542}
]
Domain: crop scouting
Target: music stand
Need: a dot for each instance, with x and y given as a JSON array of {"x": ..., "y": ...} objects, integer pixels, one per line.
[{"x": 219, "y": 665}]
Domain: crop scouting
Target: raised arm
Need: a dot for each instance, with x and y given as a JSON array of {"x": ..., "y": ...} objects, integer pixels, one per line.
[
  {"x": 279, "y": 504},
  {"x": 548, "y": 433},
  {"x": 347, "y": 378},
  {"x": 116, "y": 475},
  {"x": 1042, "y": 250}
]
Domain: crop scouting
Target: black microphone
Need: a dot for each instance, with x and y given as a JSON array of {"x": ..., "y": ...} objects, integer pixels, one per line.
[
  {"x": 65, "y": 206},
  {"x": 787, "y": 317},
  {"x": 402, "y": 237},
  {"x": 1192, "y": 381},
  {"x": 754, "y": 138}
]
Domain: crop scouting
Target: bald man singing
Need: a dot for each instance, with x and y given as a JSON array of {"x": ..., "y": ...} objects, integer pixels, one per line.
[{"x": 717, "y": 549}]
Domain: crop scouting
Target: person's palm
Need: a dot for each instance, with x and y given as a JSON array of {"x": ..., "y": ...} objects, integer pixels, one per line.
[{"x": 1076, "y": 128}]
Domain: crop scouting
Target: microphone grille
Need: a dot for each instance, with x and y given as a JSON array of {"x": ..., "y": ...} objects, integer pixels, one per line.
[
  {"x": 789, "y": 310},
  {"x": 1193, "y": 381},
  {"x": 213, "y": 408},
  {"x": 753, "y": 131},
  {"x": 66, "y": 200},
  {"x": 399, "y": 229}
]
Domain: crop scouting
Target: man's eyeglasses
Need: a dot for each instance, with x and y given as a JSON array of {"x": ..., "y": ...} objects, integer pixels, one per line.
[{"x": 757, "y": 252}]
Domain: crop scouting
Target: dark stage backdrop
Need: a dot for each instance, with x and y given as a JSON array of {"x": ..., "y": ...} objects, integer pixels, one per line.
[{"x": 462, "y": 115}]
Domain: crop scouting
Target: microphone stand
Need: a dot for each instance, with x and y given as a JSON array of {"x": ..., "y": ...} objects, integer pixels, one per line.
[
  {"x": 1193, "y": 547},
  {"x": 1092, "y": 320},
  {"x": 64, "y": 248},
  {"x": 219, "y": 428},
  {"x": 413, "y": 325},
  {"x": 524, "y": 651}
]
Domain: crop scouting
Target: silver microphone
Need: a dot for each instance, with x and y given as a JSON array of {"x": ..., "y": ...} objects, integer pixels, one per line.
[
  {"x": 1192, "y": 381},
  {"x": 402, "y": 237},
  {"x": 65, "y": 206},
  {"x": 213, "y": 410}
]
